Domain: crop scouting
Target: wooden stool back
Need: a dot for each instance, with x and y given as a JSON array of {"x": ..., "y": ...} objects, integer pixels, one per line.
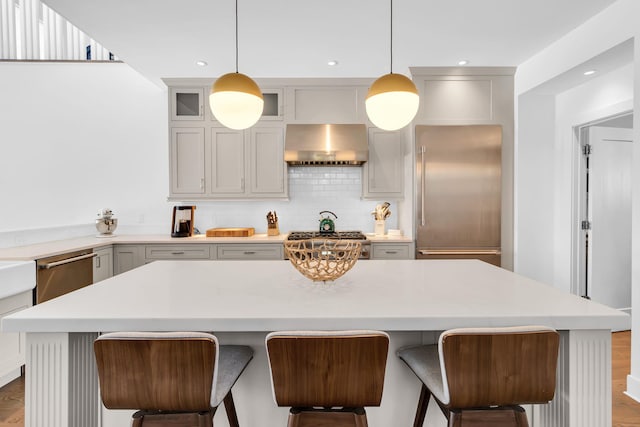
[
  {"x": 488, "y": 369},
  {"x": 150, "y": 374},
  {"x": 328, "y": 369}
]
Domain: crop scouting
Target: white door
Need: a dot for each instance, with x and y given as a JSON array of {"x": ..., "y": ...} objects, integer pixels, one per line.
[{"x": 608, "y": 204}]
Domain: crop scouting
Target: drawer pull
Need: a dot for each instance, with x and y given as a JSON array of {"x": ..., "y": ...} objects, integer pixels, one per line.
[
  {"x": 249, "y": 252},
  {"x": 177, "y": 253},
  {"x": 390, "y": 252}
]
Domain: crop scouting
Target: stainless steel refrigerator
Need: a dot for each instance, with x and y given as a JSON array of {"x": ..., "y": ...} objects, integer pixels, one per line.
[{"x": 458, "y": 172}]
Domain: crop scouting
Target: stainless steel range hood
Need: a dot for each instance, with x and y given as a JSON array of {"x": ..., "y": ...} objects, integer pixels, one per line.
[{"x": 326, "y": 145}]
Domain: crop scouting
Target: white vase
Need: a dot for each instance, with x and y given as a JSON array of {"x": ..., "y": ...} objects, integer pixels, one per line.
[{"x": 379, "y": 228}]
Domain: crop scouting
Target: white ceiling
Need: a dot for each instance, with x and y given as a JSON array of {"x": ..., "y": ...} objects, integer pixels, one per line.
[{"x": 296, "y": 38}]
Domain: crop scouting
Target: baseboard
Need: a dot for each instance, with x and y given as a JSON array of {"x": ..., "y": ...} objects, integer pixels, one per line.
[
  {"x": 9, "y": 376},
  {"x": 633, "y": 388}
]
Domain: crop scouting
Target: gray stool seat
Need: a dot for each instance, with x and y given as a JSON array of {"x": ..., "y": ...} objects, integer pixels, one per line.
[
  {"x": 423, "y": 360},
  {"x": 232, "y": 360}
]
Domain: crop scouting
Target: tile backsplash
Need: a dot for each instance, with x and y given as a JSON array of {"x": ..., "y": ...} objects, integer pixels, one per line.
[{"x": 311, "y": 190}]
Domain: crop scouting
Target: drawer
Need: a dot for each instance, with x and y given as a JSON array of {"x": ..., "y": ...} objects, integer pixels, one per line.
[
  {"x": 247, "y": 252},
  {"x": 390, "y": 251},
  {"x": 177, "y": 252}
]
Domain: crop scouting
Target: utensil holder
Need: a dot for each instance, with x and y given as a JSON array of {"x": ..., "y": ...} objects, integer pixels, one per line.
[{"x": 379, "y": 228}]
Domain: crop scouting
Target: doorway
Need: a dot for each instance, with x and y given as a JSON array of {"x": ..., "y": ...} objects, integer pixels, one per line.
[{"x": 605, "y": 211}]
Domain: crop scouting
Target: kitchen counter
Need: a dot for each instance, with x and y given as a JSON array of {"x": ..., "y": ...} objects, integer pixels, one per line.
[
  {"x": 57, "y": 247},
  {"x": 242, "y": 301}
]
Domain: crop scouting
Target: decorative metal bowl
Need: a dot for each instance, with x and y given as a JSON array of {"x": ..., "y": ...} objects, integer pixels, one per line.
[{"x": 322, "y": 260}]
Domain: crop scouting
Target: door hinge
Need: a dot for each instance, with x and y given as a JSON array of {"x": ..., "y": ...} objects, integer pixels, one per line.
[
  {"x": 586, "y": 149},
  {"x": 586, "y": 225}
]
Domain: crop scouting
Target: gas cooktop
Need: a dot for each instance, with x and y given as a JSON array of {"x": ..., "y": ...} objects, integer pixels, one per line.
[{"x": 347, "y": 235}]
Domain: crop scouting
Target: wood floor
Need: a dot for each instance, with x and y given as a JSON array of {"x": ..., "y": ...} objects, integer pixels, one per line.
[{"x": 626, "y": 411}]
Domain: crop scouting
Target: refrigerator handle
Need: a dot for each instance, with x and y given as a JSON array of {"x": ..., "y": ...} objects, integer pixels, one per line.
[{"x": 422, "y": 182}]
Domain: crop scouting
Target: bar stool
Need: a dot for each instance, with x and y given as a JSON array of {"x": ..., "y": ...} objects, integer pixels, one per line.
[
  {"x": 480, "y": 376},
  {"x": 170, "y": 378},
  {"x": 327, "y": 377}
]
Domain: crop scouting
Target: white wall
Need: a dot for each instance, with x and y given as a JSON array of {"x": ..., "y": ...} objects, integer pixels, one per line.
[
  {"x": 77, "y": 137},
  {"x": 613, "y": 26}
]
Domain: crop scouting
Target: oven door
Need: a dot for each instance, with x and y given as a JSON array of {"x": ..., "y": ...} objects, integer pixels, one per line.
[{"x": 62, "y": 274}]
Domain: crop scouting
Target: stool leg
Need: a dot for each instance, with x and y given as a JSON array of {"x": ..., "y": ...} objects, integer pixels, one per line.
[
  {"x": 423, "y": 402},
  {"x": 230, "y": 408}
]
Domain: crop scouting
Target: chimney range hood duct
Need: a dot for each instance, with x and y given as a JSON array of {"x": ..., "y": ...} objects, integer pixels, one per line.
[{"x": 326, "y": 145}]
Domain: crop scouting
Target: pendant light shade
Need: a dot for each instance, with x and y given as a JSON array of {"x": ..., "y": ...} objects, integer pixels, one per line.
[
  {"x": 392, "y": 102},
  {"x": 236, "y": 101}
]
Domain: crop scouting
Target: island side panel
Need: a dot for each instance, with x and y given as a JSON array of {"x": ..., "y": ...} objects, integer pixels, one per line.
[
  {"x": 61, "y": 387},
  {"x": 583, "y": 385}
]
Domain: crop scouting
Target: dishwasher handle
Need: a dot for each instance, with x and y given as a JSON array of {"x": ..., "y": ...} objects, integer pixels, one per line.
[{"x": 66, "y": 261}]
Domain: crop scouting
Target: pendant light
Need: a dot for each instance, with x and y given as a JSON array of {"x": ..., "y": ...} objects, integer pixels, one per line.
[
  {"x": 392, "y": 101},
  {"x": 236, "y": 100}
]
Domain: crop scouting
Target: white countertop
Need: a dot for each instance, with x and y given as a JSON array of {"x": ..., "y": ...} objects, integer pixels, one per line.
[
  {"x": 57, "y": 247},
  {"x": 229, "y": 296}
]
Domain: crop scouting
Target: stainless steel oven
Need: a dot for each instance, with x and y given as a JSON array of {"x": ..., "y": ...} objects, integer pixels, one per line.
[
  {"x": 365, "y": 252},
  {"x": 61, "y": 274}
]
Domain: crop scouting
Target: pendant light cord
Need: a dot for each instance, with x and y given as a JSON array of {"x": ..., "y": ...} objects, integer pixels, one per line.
[
  {"x": 391, "y": 37},
  {"x": 236, "y": 36}
]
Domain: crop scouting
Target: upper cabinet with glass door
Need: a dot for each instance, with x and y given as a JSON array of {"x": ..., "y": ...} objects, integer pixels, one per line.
[{"x": 187, "y": 104}]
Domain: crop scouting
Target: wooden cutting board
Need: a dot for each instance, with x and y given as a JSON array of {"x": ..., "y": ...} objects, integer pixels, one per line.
[{"x": 231, "y": 232}]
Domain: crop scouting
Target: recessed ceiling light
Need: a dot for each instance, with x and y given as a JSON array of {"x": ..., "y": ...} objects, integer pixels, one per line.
[
  {"x": 201, "y": 63},
  {"x": 332, "y": 63},
  {"x": 590, "y": 72},
  {"x": 463, "y": 62}
]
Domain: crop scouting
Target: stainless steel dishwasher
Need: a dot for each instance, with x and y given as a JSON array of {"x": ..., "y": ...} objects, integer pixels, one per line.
[{"x": 61, "y": 274}]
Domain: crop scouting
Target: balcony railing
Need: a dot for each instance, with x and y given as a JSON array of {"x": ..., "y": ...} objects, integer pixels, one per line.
[{"x": 31, "y": 31}]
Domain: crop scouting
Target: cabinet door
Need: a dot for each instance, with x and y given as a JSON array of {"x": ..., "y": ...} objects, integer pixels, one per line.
[
  {"x": 227, "y": 162},
  {"x": 391, "y": 251},
  {"x": 103, "y": 264},
  {"x": 128, "y": 257},
  {"x": 187, "y": 161},
  {"x": 384, "y": 171},
  {"x": 187, "y": 103},
  {"x": 267, "y": 167},
  {"x": 191, "y": 251},
  {"x": 263, "y": 251}
]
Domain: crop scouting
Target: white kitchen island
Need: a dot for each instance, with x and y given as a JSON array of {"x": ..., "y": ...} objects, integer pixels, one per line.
[{"x": 241, "y": 301}]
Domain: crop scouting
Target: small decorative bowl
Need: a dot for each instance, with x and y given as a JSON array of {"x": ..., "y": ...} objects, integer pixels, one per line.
[{"x": 322, "y": 260}]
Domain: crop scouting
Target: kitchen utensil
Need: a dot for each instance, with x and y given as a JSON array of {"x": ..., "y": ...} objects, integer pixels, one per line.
[
  {"x": 106, "y": 224},
  {"x": 272, "y": 224},
  {"x": 231, "y": 232},
  {"x": 327, "y": 225},
  {"x": 382, "y": 211},
  {"x": 322, "y": 260},
  {"x": 182, "y": 221}
]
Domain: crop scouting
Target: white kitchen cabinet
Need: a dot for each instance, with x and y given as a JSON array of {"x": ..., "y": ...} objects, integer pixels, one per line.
[
  {"x": 187, "y": 166},
  {"x": 175, "y": 252},
  {"x": 227, "y": 162},
  {"x": 326, "y": 104},
  {"x": 241, "y": 251},
  {"x": 103, "y": 264},
  {"x": 267, "y": 168},
  {"x": 383, "y": 173},
  {"x": 398, "y": 250},
  {"x": 187, "y": 103},
  {"x": 128, "y": 257},
  {"x": 247, "y": 164},
  {"x": 12, "y": 356}
]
